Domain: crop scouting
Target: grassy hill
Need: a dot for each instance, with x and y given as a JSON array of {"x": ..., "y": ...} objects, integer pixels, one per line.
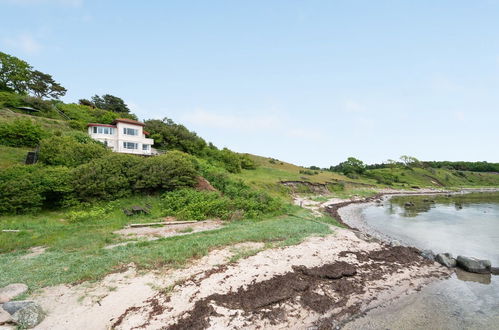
[{"x": 75, "y": 225}]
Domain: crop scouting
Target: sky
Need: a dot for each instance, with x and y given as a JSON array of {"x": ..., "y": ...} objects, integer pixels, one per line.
[{"x": 308, "y": 82}]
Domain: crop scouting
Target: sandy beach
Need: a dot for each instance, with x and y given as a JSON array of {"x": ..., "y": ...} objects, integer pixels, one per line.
[{"x": 320, "y": 283}]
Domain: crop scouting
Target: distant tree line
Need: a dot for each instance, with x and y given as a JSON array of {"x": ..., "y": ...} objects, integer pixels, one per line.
[{"x": 355, "y": 166}]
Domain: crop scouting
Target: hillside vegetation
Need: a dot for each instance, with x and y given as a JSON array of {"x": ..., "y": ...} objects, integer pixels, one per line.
[{"x": 71, "y": 202}]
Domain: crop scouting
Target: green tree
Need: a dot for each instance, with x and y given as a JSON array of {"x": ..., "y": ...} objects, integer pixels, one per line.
[
  {"x": 43, "y": 85},
  {"x": 350, "y": 166},
  {"x": 111, "y": 103},
  {"x": 70, "y": 150},
  {"x": 410, "y": 161},
  {"x": 14, "y": 74},
  {"x": 21, "y": 132}
]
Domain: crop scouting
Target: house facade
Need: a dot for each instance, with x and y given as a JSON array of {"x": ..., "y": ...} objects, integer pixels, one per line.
[{"x": 123, "y": 135}]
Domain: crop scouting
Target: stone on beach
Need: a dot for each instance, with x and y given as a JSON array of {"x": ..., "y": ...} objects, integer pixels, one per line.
[
  {"x": 11, "y": 291},
  {"x": 4, "y": 317},
  {"x": 428, "y": 254},
  {"x": 474, "y": 265},
  {"x": 446, "y": 260},
  {"x": 26, "y": 314}
]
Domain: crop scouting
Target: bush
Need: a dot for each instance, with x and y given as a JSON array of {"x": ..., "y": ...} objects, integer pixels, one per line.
[
  {"x": 21, "y": 132},
  {"x": 106, "y": 178},
  {"x": 166, "y": 172},
  {"x": 247, "y": 163},
  {"x": 29, "y": 188},
  {"x": 118, "y": 175},
  {"x": 190, "y": 204},
  {"x": 71, "y": 150}
]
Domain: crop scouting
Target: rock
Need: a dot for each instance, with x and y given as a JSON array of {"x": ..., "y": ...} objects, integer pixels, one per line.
[
  {"x": 11, "y": 291},
  {"x": 428, "y": 254},
  {"x": 13, "y": 306},
  {"x": 494, "y": 270},
  {"x": 4, "y": 317},
  {"x": 29, "y": 316},
  {"x": 26, "y": 314},
  {"x": 408, "y": 204},
  {"x": 474, "y": 265},
  {"x": 446, "y": 260}
]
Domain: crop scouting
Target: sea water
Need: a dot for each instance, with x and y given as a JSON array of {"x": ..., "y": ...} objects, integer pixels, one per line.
[{"x": 461, "y": 224}]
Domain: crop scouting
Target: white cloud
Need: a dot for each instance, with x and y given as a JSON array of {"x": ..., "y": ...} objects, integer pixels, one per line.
[
  {"x": 203, "y": 117},
  {"x": 70, "y": 3},
  {"x": 353, "y": 106},
  {"x": 441, "y": 83},
  {"x": 269, "y": 124},
  {"x": 23, "y": 42},
  {"x": 460, "y": 116}
]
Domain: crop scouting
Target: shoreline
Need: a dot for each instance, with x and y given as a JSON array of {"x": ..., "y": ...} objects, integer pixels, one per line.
[{"x": 322, "y": 282}]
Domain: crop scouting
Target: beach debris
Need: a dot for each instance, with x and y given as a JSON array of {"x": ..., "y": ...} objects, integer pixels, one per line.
[
  {"x": 25, "y": 313},
  {"x": 10, "y": 231},
  {"x": 428, "y": 254},
  {"x": 11, "y": 291},
  {"x": 494, "y": 270},
  {"x": 474, "y": 265},
  {"x": 446, "y": 260},
  {"x": 409, "y": 204}
]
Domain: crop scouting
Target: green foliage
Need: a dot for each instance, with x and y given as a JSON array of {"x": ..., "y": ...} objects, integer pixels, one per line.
[
  {"x": 308, "y": 172},
  {"x": 351, "y": 166},
  {"x": 14, "y": 74},
  {"x": 169, "y": 135},
  {"x": 190, "y": 204},
  {"x": 21, "y": 133},
  {"x": 29, "y": 188},
  {"x": 166, "y": 172},
  {"x": 18, "y": 76},
  {"x": 118, "y": 175},
  {"x": 111, "y": 103},
  {"x": 43, "y": 85},
  {"x": 247, "y": 163},
  {"x": 70, "y": 150}
]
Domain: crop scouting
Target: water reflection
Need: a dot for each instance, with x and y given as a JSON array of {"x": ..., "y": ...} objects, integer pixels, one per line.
[
  {"x": 472, "y": 277},
  {"x": 412, "y": 206}
]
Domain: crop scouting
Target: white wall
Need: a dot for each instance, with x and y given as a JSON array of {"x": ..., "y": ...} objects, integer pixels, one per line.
[{"x": 115, "y": 141}]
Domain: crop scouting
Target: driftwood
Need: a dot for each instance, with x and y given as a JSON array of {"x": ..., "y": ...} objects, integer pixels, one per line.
[
  {"x": 160, "y": 223},
  {"x": 10, "y": 231}
]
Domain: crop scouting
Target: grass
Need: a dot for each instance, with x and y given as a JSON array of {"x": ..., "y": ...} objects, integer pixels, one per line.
[
  {"x": 11, "y": 156},
  {"x": 47, "y": 123},
  {"x": 75, "y": 254}
]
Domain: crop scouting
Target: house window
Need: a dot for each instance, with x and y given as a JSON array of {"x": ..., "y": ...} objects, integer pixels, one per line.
[
  {"x": 102, "y": 130},
  {"x": 130, "y": 145},
  {"x": 145, "y": 147},
  {"x": 130, "y": 131}
]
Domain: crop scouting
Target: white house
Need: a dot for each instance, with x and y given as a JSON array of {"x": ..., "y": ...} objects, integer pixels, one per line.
[{"x": 123, "y": 135}]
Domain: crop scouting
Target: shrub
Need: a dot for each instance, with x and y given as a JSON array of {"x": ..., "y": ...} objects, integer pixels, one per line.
[
  {"x": 119, "y": 175},
  {"x": 190, "y": 204},
  {"x": 21, "y": 132},
  {"x": 166, "y": 172},
  {"x": 70, "y": 150},
  {"x": 106, "y": 178},
  {"x": 29, "y": 188},
  {"x": 247, "y": 163}
]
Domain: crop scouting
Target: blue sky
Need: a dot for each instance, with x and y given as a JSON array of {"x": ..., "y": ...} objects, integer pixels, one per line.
[{"x": 309, "y": 82}]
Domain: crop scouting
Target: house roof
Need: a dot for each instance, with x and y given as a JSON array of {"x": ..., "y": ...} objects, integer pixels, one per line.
[
  {"x": 104, "y": 125},
  {"x": 128, "y": 121}
]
